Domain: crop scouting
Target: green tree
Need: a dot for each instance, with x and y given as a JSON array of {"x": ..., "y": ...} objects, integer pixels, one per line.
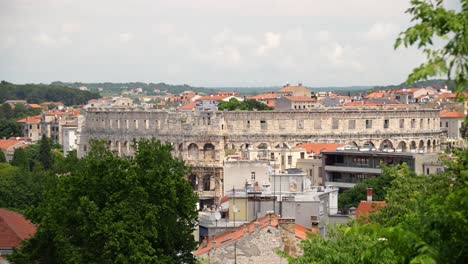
[
  {"x": 116, "y": 210},
  {"x": 9, "y": 128},
  {"x": 20, "y": 159},
  {"x": 45, "y": 155},
  {"x": 433, "y": 22},
  {"x": 2, "y": 157}
]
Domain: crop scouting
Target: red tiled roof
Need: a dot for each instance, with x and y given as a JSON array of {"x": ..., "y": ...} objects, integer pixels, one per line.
[
  {"x": 51, "y": 103},
  {"x": 300, "y": 99},
  {"x": 316, "y": 148},
  {"x": 289, "y": 88},
  {"x": 451, "y": 114},
  {"x": 188, "y": 106},
  {"x": 271, "y": 104},
  {"x": 264, "y": 96},
  {"x": 6, "y": 143},
  {"x": 34, "y": 106},
  {"x": 30, "y": 119},
  {"x": 213, "y": 97},
  {"x": 14, "y": 228},
  {"x": 365, "y": 207},
  {"x": 376, "y": 95},
  {"x": 301, "y": 232}
]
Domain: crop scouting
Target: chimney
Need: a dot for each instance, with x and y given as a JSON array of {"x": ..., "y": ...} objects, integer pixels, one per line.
[{"x": 369, "y": 194}]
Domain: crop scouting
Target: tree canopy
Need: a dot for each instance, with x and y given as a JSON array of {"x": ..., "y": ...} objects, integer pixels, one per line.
[
  {"x": 234, "y": 104},
  {"x": 39, "y": 93},
  {"x": 433, "y": 22},
  {"x": 425, "y": 221},
  {"x": 108, "y": 209}
]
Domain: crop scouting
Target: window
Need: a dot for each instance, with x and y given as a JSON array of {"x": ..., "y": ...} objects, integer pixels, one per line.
[
  {"x": 302, "y": 155},
  {"x": 421, "y": 123},
  {"x": 386, "y": 123},
  {"x": 146, "y": 124},
  {"x": 446, "y": 124},
  {"x": 263, "y": 124},
  {"x": 37, "y": 126},
  {"x": 272, "y": 156},
  {"x": 247, "y": 125},
  {"x": 335, "y": 123},
  {"x": 289, "y": 160},
  {"x": 318, "y": 124},
  {"x": 252, "y": 175},
  {"x": 402, "y": 123},
  {"x": 135, "y": 124},
  {"x": 368, "y": 123},
  {"x": 352, "y": 124},
  {"x": 361, "y": 160},
  {"x": 300, "y": 124},
  {"x": 413, "y": 123}
]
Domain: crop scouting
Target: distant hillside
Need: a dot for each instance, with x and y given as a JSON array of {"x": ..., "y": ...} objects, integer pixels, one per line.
[
  {"x": 436, "y": 83},
  {"x": 39, "y": 93},
  {"x": 149, "y": 88}
]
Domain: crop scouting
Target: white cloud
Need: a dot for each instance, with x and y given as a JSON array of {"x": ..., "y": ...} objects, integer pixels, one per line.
[
  {"x": 45, "y": 39},
  {"x": 71, "y": 27},
  {"x": 272, "y": 41},
  {"x": 382, "y": 31},
  {"x": 125, "y": 37}
]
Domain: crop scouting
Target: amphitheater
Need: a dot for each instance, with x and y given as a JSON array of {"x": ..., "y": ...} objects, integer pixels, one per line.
[{"x": 201, "y": 138}]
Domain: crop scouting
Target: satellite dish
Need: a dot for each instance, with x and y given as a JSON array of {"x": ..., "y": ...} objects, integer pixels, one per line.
[{"x": 217, "y": 215}]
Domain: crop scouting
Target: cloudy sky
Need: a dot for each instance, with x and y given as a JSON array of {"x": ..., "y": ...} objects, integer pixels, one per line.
[{"x": 205, "y": 42}]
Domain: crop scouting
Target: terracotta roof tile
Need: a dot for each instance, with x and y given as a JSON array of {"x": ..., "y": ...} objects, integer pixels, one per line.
[
  {"x": 365, "y": 207},
  {"x": 14, "y": 228},
  {"x": 188, "y": 106},
  {"x": 35, "y": 106},
  {"x": 264, "y": 96},
  {"x": 451, "y": 114},
  {"x": 30, "y": 119},
  {"x": 6, "y": 143}
]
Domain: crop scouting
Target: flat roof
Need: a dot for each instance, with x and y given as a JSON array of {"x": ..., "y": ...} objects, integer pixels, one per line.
[{"x": 376, "y": 153}]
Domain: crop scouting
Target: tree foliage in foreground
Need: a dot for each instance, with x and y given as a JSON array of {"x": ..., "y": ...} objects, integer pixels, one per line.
[
  {"x": 109, "y": 209},
  {"x": 425, "y": 221},
  {"x": 433, "y": 22}
]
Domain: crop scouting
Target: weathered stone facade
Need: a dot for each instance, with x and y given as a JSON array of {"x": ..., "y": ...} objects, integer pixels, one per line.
[{"x": 200, "y": 138}]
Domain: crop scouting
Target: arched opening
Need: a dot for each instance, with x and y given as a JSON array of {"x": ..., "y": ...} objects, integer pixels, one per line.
[
  {"x": 193, "y": 151},
  {"x": 413, "y": 146},
  {"x": 262, "y": 146},
  {"x": 429, "y": 145},
  {"x": 386, "y": 145},
  {"x": 401, "y": 147},
  {"x": 193, "y": 181},
  {"x": 245, "y": 146},
  {"x": 434, "y": 146},
  {"x": 125, "y": 147},
  {"x": 421, "y": 146},
  {"x": 207, "y": 178},
  {"x": 209, "y": 151},
  {"x": 229, "y": 146},
  {"x": 368, "y": 146},
  {"x": 282, "y": 146}
]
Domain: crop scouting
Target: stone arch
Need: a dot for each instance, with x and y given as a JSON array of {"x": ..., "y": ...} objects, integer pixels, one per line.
[
  {"x": 282, "y": 145},
  {"x": 117, "y": 147},
  {"x": 245, "y": 146},
  {"x": 229, "y": 146},
  {"x": 421, "y": 145},
  {"x": 434, "y": 145},
  {"x": 181, "y": 147},
  {"x": 368, "y": 144},
  {"x": 402, "y": 147},
  {"x": 193, "y": 180},
  {"x": 429, "y": 145},
  {"x": 209, "y": 151},
  {"x": 412, "y": 146},
  {"x": 125, "y": 147},
  {"x": 386, "y": 144},
  {"x": 262, "y": 146},
  {"x": 353, "y": 144},
  {"x": 193, "y": 151},
  {"x": 208, "y": 182}
]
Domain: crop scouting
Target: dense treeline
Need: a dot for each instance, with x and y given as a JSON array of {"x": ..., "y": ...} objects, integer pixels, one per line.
[
  {"x": 234, "y": 104},
  {"x": 39, "y": 93}
]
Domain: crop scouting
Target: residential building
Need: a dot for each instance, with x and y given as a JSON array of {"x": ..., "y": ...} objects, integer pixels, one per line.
[
  {"x": 298, "y": 90},
  {"x": 8, "y": 146},
  {"x": 451, "y": 122},
  {"x": 31, "y": 127},
  {"x": 14, "y": 228},
  {"x": 346, "y": 168},
  {"x": 296, "y": 103}
]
